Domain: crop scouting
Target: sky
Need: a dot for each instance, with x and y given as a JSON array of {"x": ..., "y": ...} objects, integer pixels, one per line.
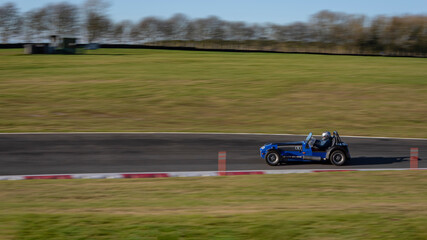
[{"x": 250, "y": 11}]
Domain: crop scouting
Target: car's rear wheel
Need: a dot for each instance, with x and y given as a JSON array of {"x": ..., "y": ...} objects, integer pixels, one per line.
[
  {"x": 273, "y": 158},
  {"x": 338, "y": 158}
]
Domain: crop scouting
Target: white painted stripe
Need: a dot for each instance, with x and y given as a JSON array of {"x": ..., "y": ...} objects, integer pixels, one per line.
[
  {"x": 96, "y": 175},
  {"x": 208, "y": 133},
  {"x": 12, "y": 178},
  {"x": 199, "y": 173},
  {"x": 288, "y": 171},
  {"x": 422, "y": 139}
]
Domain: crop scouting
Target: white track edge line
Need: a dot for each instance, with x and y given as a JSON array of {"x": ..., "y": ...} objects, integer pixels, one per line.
[{"x": 196, "y": 173}]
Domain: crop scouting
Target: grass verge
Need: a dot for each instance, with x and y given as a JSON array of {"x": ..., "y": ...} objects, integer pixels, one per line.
[
  {"x": 350, "y": 205},
  {"x": 184, "y": 91}
]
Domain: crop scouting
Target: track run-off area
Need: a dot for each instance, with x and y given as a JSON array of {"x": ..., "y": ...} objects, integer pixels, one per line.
[{"x": 78, "y": 153}]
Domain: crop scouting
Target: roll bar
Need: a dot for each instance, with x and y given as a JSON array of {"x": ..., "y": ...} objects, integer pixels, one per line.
[{"x": 337, "y": 137}]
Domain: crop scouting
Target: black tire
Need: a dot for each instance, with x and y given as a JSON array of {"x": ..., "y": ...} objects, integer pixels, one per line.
[
  {"x": 273, "y": 158},
  {"x": 338, "y": 158}
]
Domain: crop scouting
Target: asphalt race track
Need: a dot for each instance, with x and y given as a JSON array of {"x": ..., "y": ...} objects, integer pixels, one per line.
[{"x": 167, "y": 152}]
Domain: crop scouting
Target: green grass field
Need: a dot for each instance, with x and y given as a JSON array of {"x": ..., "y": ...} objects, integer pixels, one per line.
[
  {"x": 349, "y": 205},
  {"x": 183, "y": 91}
]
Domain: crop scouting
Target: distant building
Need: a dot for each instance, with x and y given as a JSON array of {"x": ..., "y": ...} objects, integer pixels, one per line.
[{"x": 57, "y": 45}]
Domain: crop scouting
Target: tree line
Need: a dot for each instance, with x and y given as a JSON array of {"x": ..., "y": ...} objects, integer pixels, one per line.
[{"x": 325, "y": 31}]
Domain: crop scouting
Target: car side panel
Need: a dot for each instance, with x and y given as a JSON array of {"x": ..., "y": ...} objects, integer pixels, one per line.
[{"x": 290, "y": 148}]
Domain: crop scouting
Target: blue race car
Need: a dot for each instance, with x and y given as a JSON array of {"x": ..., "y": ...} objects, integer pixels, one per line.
[{"x": 277, "y": 153}]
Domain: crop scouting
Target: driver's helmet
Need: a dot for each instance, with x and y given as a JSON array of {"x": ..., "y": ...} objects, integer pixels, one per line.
[{"x": 326, "y": 135}]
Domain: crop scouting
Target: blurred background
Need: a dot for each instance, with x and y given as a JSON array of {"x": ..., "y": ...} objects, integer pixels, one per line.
[{"x": 385, "y": 27}]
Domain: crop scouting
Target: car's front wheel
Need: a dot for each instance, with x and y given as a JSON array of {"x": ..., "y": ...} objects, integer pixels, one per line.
[
  {"x": 338, "y": 158},
  {"x": 273, "y": 158}
]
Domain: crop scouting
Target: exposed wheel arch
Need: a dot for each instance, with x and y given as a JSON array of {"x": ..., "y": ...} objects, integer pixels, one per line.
[
  {"x": 338, "y": 157},
  {"x": 273, "y": 157},
  {"x": 332, "y": 149}
]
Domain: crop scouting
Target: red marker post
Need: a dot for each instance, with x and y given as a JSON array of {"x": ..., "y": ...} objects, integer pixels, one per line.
[
  {"x": 222, "y": 156},
  {"x": 414, "y": 158}
]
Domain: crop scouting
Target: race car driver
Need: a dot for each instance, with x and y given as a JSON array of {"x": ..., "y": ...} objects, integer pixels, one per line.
[{"x": 325, "y": 143}]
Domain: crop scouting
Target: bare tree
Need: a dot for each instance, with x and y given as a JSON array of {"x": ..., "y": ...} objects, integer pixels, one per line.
[
  {"x": 10, "y": 21},
  {"x": 375, "y": 39},
  {"x": 149, "y": 29},
  {"x": 278, "y": 32},
  {"x": 214, "y": 28},
  {"x": 329, "y": 26},
  {"x": 208, "y": 28},
  {"x": 98, "y": 27},
  {"x": 298, "y": 32},
  {"x": 190, "y": 31},
  {"x": 355, "y": 29},
  {"x": 177, "y": 25},
  {"x": 417, "y": 40},
  {"x": 36, "y": 25},
  {"x": 135, "y": 34},
  {"x": 62, "y": 18},
  {"x": 97, "y": 24},
  {"x": 259, "y": 32},
  {"x": 198, "y": 29},
  {"x": 121, "y": 32},
  {"x": 164, "y": 29},
  {"x": 238, "y": 31}
]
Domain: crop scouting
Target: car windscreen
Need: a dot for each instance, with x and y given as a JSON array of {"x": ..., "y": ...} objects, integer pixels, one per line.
[{"x": 308, "y": 137}]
